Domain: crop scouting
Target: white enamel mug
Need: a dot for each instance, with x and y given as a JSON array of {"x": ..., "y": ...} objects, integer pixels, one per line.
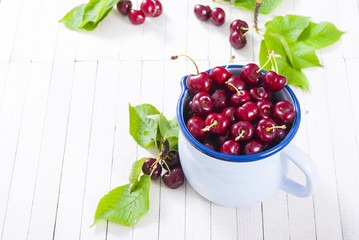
[{"x": 241, "y": 180}]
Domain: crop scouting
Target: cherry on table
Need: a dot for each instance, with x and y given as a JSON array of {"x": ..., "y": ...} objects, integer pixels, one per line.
[
  {"x": 235, "y": 81},
  {"x": 195, "y": 126},
  {"x": 248, "y": 112},
  {"x": 273, "y": 81},
  {"x": 238, "y": 25},
  {"x": 251, "y": 75},
  {"x": 217, "y": 16},
  {"x": 260, "y": 93},
  {"x": 172, "y": 160},
  {"x": 216, "y": 123},
  {"x": 220, "y": 100},
  {"x": 237, "y": 40},
  {"x": 253, "y": 147},
  {"x": 147, "y": 169},
  {"x": 173, "y": 179},
  {"x": 136, "y": 17},
  {"x": 230, "y": 113},
  {"x": 220, "y": 75},
  {"x": 242, "y": 131},
  {"x": 202, "y": 12},
  {"x": 265, "y": 108},
  {"x": 230, "y": 147},
  {"x": 202, "y": 104},
  {"x": 158, "y": 8},
  {"x": 124, "y": 7},
  {"x": 148, "y": 8},
  {"x": 283, "y": 112},
  {"x": 240, "y": 98}
]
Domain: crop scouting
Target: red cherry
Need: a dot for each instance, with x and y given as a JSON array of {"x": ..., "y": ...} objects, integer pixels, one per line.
[
  {"x": 148, "y": 8},
  {"x": 265, "y": 130},
  {"x": 283, "y": 112},
  {"x": 253, "y": 147},
  {"x": 234, "y": 81},
  {"x": 265, "y": 108},
  {"x": 202, "y": 104},
  {"x": 220, "y": 100},
  {"x": 237, "y": 40},
  {"x": 216, "y": 123},
  {"x": 242, "y": 131},
  {"x": 230, "y": 113},
  {"x": 250, "y": 75},
  {"x": 136, "y": 17},
  {"x": 217, "y": 16},
  {"x": 195, "y": 126},
  {"x": 240, "y": 98},
  {"x": 173, "y": 179},
  {"x": 238, "y": 25},
  {"x": 219, "y": 75},
  {"x": 248, "y": 112},
  {"x": 158, "y": 8},
  {"x": 202, "y": 12},
  {"x": 147, "y": 169},
  {"x": 260, "y": 93},
  {"x": 273, "y": 81},
  {"x": 210, "y": 143},
  {"x": 230, "y": 147},
  {"x": 124, "y": 7},
  {"x": 200, "y": 82}
]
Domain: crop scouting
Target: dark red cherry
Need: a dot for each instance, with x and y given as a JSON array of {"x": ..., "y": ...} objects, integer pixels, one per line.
[
  {"x": 253, "y": 147},
  {"x": 202, "y": 12},
  {"x": 202, "y": 104},
  {"x": 280, "y": 135},
  {"x": 124, "y": 7},
  {"x": 172, "y": 160},
  {"x": 237, "y": 40},
  {"x": 242, "y": 131},
  {"x": 210, "y": 143},
  {"x": 158, "y": 8},
  {"x": 250, "y": 75},
  {"x": 236, "y": 82},
  {"x": 265, "y": 108},
  {"x": 217, "y": 16},
  {"x": 147, "y": 169},
  {"x": 240, "y": 98},
  {"x": 219, "y": 75},
  {"x": 273, "y": 81},
  {"x": 200, "y": 82},
  {"x": 216, "y": 123},
  {"x": 260, "y": 93},
  {"x": 230, "y": 113},
  {"x": 265, "y": 131},
  {"x": 136, "y": 17},
  {"x": 230, "y": 147},
  {"x": 224, "y": 137},
  {"x": 195, "y": 126},
  {"x": 248, "y": 112},
  {"x": 283, "y": 112},
  {"x": 148, "y": 8},
  {"x": 238, "y": 25},
  {"x": 173, "y": 179},
  {"x": 220, "y": 100}
]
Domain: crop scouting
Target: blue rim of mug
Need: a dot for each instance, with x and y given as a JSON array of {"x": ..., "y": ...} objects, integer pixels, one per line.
[{"x": 237, "y": 158}]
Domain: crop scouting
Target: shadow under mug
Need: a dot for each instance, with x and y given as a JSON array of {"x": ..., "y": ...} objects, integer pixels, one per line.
[{"x": 241, "y": 180}]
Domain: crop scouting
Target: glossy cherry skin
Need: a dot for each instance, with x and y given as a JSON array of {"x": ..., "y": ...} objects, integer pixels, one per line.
[
  {"x": 136, "y": 17},
  {"x": 265, "y": 108},
  {"x": 260, "y": 93},
  {"x": 146, "y": 168},
  {"x": 237, "y": 40},
  {"x": 230, "y": 147},
  {"x": 210, "y": 143},
  {"x": 238, "y": 25},
  {"x": 235, "y": 81},
  {"x": 253, "y": 147},
  {"x": 158, "y": 8},
  {"x": 148, "y": 8},
  {"x": 224, "y": 137},
  {"x": 280, "y": 135},
  {"x": 244, "y": 126},
  {"x": 202, "y": 12},
  {"x": 222, "y": 123},
  {"x": 250, "y": 76},
  {"x": 262, "y": 132},
  {"x": 247, "y": 112},
  {"x": 217, "y": 16},
  {"x": 283, "y": 112},
  {"x": 238, "y": 99},
  {"x": 219, "y": 75},
  {"x": 220, "y": 100},
  {"x": 172, "y": 160},
  {"x": 200, "y": 82},
  {"x": 273, "y": 81},
  {"x": 202, "y": 104},
  {"x": 230, "y": 113},
  {"x": 195, "y": 126},
  {"x": 173, "y": 179},
  {"x": 124, "y": 7}
]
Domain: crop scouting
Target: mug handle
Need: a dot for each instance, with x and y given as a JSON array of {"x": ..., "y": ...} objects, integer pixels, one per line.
[{"x": 307, "y": 166}]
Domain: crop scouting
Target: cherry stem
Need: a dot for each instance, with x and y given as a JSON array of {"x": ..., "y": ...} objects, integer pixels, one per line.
[
  {"x": 256, "y": 11},
  {"x": 153, "y": 164},
  {"x": 183, "y": 55},
  {"x": 164, "y": 161},
  {"x": 242, "y": 132},
  {"x": 244, "y": 34},
  {"x": 269, "y": 58},
  {"x": 230, "y": 84},
  {"x": 233, "y": 57},
  {"x": 270, "y": 128},
  {"x": 206, "y": 129}
]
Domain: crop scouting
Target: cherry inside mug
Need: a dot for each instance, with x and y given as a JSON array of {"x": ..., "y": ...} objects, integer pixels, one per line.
[{"x": 241, "y": 180}]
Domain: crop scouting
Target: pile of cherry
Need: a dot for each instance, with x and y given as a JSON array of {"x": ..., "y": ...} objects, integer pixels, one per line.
[
  {"x": 237, "y": 114},
  {"x": 149, "y": 8}
]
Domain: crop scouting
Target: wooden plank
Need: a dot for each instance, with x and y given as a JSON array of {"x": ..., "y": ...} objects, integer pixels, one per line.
[
  {"x": 52, "y": 152},
  {"x": 73, "y": 175},
  {"x": 344, "y": 145},
  {"x": 4, "y": 67},
  {"x": 27, "y": 153},
  {"x": 132, "y": 43},
  {"x": 249, "y": 222},
  {"x": 125, "y": 148},
  {"x": 10, "y": 122}
]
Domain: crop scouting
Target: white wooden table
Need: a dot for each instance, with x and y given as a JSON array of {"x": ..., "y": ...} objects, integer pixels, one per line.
[{"x": 64, "y": 138}]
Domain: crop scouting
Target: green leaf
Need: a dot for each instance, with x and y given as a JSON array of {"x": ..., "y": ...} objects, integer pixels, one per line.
[
  {"x": 95, "y": 12},
  {"x": 135, "y": 172},
  {"x": 143, "y": 129},
  {"x": 263, "y": 56},
  {"x": 275, "y": 44},
  {"x": 169, "y": 130},
  {"x": 123, "y": 206},
  {"x": 294, "y": 77},
  {"x": 320, "y": 35},
  {"x": 289, "y": 26},
  {"x": 266, "y": 7},
  {"x": 303, "y": 56},
  {"x": 73, "y": 19}
]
